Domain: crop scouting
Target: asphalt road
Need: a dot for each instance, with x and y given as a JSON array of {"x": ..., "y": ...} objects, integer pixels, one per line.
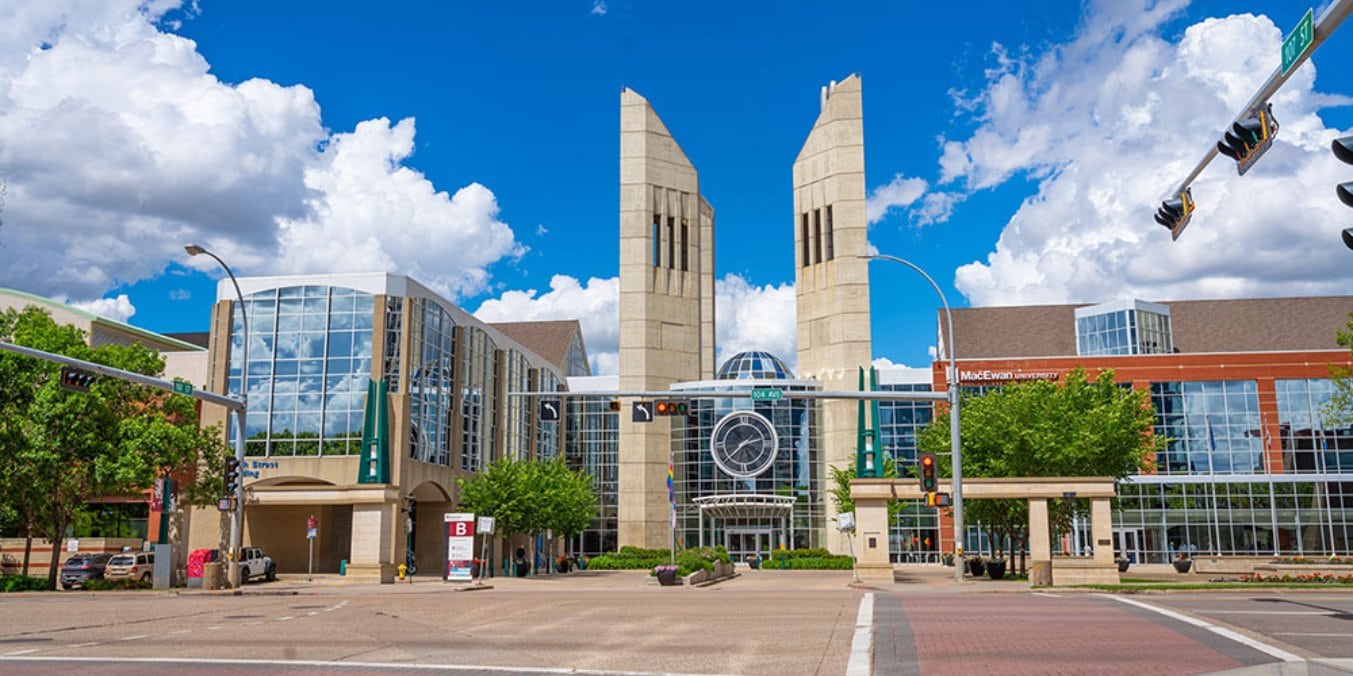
[{"x": 763, "y": 622}]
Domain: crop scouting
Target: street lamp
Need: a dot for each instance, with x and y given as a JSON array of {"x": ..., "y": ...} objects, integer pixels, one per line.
[
  {"x": 954, "y": 445},
  {"x": 237, "y": 513}
]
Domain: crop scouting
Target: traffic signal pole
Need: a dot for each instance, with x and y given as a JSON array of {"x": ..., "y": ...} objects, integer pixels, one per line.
[{"x": 1324, "y": 26}]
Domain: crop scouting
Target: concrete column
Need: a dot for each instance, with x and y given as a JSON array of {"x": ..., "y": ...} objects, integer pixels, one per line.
[
  {"x": 871, "y": 540},
  {"x": 372, "y": 545},
  {"x": 1040, "y": 543},
  {"x": 1101, "y": 530}
]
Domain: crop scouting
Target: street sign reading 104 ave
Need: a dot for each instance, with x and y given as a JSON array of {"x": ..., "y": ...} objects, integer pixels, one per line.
[
  {"x": 768, "y": 394},
  {"x": 1299, "y": 40}
]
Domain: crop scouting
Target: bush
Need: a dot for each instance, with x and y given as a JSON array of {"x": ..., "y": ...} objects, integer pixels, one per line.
[
  {"x": 101, "y": 585},
  {"x": 807, "y": 559},
  {"x": 634, "y": 558},
  {"x": 22, "y": 583}
]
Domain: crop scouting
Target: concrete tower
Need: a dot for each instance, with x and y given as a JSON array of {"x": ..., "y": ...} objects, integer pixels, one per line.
[
  {"x": 832, "y": 285},
  {"x": 666, "y": 305}
]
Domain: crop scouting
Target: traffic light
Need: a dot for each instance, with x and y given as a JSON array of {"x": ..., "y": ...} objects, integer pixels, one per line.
[
  {"x": 613, "y": 405},
  {"x": 75, "y": 379},
  {"x": 929, "y": 484},
  {"x": 669, "y": 407},
  {"x": 1343, "y": 150},
  {"x": 1249, "y": 138},
  {"x": 232, "y": 475},
  {"x": 1175, "y": 213},
  {"x": 938, "y": 500}
]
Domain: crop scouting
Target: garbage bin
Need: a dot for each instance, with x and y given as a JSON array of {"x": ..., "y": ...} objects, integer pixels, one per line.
[
  {"x": 211, "y": 575},
  {"x": 343, "y": 567}
]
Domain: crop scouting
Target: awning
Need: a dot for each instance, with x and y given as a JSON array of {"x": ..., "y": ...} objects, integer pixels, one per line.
[{"x": 746, "y": 506}]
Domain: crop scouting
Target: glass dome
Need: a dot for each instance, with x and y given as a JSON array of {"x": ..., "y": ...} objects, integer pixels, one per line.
[{"x": 754, "y": 365}]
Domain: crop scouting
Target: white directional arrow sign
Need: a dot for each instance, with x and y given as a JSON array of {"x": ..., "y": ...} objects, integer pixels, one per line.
[
  {"x": 642, "y": 412},
  {"x": 549, "y": 410}
]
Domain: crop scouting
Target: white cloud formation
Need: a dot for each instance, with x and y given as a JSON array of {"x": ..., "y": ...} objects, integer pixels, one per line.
[
  {"x": 899, "y": 192},
  {"x": 119, "y": 146},
  {"x": 1107, "y": 123},
  {"x": 118, "y": 309},
  {"x": 595, "y": 305},
  {"x": 598, "y": 7},
  {"x": 751, "y": 317},
  {"x": 747, "y": 317}
]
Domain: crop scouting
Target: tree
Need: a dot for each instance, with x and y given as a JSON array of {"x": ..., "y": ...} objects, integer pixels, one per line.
[
  {"x": 1039, "y": 428},
  {"x": 839, "y": 487},
  {"x": 531, "y": 496},
  {"x": 1338, "y": 410},
  {"x": 60, "y": 448}
]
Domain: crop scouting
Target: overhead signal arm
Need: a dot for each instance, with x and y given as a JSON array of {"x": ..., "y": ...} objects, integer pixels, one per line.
[{"x": 1256, "y": 117}]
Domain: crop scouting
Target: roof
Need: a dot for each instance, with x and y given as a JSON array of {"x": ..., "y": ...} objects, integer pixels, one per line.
[
  {"x": 94, "y": 319},
  {"x": 1238, "y": 325},
  {"x": 198, "y": 338},
  {"x": 549, "y": 339}
]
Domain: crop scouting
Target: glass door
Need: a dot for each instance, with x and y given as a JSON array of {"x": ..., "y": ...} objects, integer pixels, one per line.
[
  {"x": 745, "y": 543},
  {"x": 1128, "y": 543}
]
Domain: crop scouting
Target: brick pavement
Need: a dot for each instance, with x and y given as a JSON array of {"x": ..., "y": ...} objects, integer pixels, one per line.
[{"x": 1035, "y": 634}]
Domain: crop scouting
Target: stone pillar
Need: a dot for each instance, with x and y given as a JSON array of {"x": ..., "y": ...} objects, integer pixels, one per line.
[
  {"x": 1101, "y": 530},
  {"x": 1040, "y": 543},
  {"x": 372, "y": 526},
  {"x": 871, "y": 540}
]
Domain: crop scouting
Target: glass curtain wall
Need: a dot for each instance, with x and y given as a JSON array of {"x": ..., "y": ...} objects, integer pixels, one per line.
[
  {"x": 914, "y": 534},
  {"x": 592, "y": 444},
  {"x": 432, "y": 383},
  {"x": 310, "y": 351}
]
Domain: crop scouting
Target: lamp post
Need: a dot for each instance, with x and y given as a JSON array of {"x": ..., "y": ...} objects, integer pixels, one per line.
[
  {"x": 954, "y": 445},
  {"x": 237, "y": 513}
]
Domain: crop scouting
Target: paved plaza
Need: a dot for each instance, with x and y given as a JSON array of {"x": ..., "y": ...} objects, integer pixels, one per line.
[{"x": 761, "y": 622}]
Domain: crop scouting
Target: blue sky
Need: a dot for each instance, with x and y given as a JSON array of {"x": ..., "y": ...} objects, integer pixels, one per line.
[{"x": 1014, "y": 151}]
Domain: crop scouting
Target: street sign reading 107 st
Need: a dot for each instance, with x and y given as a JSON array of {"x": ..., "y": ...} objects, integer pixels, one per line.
[
  {"x": 183, "y": 387},
  {"x": 1299, "y": 40},
  {"x": 768, "y": 394}
]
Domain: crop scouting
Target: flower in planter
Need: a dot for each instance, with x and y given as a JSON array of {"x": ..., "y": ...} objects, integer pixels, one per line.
[{"x": 658, "y": 570}]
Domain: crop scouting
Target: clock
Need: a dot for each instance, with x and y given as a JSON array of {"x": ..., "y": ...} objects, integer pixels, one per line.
[{"x": 744, "y": 444}]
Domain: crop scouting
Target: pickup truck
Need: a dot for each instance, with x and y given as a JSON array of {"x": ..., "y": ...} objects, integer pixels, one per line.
[{"x": 254, "y": 563}]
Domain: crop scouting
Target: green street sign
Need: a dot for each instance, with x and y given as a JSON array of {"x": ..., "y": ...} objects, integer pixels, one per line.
[
  {"x": 183, "y": 387},
  {"x": 767, "y": 394},
  {"x": 1299, "y": 40}
]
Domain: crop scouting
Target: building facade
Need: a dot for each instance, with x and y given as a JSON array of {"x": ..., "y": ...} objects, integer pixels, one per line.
[{"x": 368, "y": 396}]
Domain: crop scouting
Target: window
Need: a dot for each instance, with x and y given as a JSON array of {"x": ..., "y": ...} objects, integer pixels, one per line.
[
  {"x": 817, "y": 235},
  {"x": 685, "y": 245},
  {"x": 671, "y": 241},
  {"x": 657, "y": 240}
]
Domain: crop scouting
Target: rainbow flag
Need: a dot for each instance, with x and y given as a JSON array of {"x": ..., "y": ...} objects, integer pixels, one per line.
[{"x": 671, "y": 491}]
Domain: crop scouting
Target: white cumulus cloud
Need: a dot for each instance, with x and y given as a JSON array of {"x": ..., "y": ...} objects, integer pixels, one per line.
[
  {"x": 118, "y": 309},
  {"x": 1107, "y": 123},
  {"x": 119, "y": 146},
  {"x": 899, "y": 192},
  {"x": 752, "y": 317},
  {"x": 594, "y": 304}
]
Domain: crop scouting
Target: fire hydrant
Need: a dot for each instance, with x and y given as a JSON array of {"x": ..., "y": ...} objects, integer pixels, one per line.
[{"x": 402, "y": 569}]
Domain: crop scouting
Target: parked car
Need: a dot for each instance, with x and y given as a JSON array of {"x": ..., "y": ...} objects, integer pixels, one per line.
[
  {"x": 131, "y": 566},
  {"x": 83, "y": 567},
  {"x": 254, "y": 563}
]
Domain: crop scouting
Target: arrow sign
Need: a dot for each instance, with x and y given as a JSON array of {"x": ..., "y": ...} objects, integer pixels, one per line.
[
  {"x": 641, "y": 412},
  {"x": 549, "y": 410}
]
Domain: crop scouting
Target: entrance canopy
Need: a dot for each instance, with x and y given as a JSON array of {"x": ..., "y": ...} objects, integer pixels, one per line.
[{"x": 745, "y": 506}]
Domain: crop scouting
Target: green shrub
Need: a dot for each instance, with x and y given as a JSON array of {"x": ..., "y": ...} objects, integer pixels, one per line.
[
  {"x": 21, "y": 583},
  {"x": 808, "y": 559},
  {"x": 101, "y": 585}
]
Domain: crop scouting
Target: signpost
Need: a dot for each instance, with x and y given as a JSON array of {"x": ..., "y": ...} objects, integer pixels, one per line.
[
  {"x": 183, "y": 387},
  {"x": 459, "y": 546},
  {"x": 641, "y": 412},
  {"x": 767, "y": 394},
  {"x": 1299, "y": 40},
  {"x": 549, "y": 410},
  {"x": 311, "y": 532},
  {"x": 485, "y": 528}
]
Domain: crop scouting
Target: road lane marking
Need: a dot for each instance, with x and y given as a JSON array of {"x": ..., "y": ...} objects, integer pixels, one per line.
[
  {"x": 132, "y": 638},
  {"x": 284, "y": 618},
  {"x": 1054, "y": 596},
  {"x": 346, "y": 666},
  {"x": 85, "y": 645},
  {"x": 861, "y": 646},
  {"x": 1238, "y": 638},
  {"x": 312, "y": 613},
  {"x": 1293, "y": 633},
  {"x": 22, "y": 652},
  {"x": 177, "y": 632},
  {"x": 1269, "y": 612}
]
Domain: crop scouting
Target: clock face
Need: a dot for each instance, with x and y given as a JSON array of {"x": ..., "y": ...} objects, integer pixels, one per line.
[{"x": 744, "y": 444}]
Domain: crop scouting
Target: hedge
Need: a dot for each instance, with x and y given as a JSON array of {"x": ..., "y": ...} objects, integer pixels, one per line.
[
  {"x": 635, "y": 558},
  {"x": 807, "y": 559},
  {"x": 21, "y": 583},
  {"x": 100, "y": 585}
]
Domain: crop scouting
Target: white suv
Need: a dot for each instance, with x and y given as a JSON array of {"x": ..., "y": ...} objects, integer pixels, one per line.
[{"x": 254, "y": 563}]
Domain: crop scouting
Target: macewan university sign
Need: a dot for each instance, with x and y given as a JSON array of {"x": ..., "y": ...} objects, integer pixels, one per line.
[{"x": 987, "y": 376}]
